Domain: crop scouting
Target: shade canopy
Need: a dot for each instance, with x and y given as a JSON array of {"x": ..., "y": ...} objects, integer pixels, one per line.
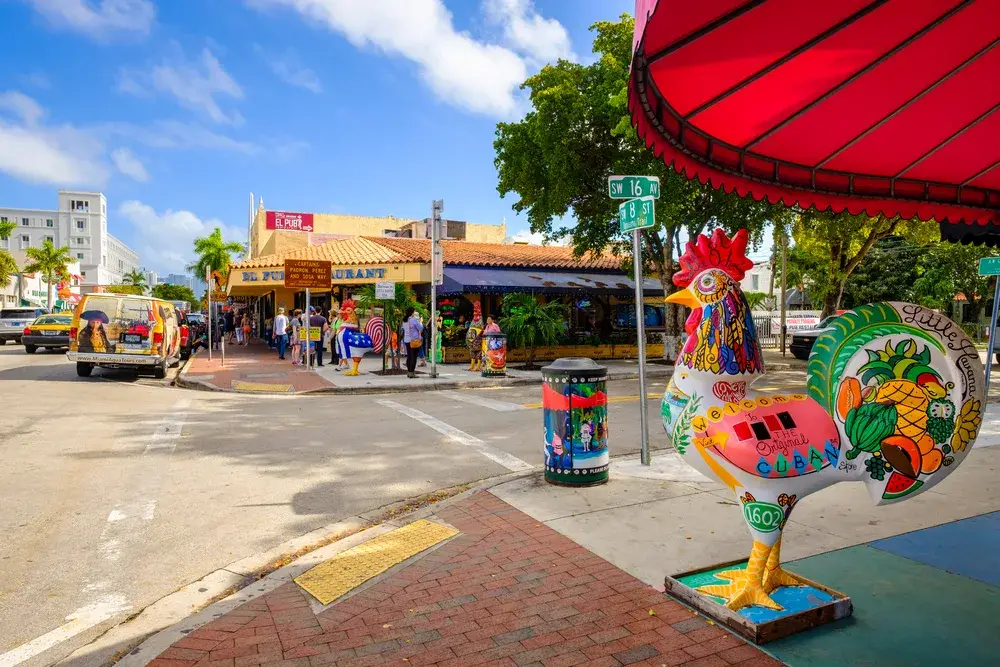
[
  {"x": 458, "y": 280},
  {"x": 886, "y": 106}
]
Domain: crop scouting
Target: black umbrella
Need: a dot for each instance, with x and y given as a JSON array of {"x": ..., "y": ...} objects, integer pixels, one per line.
[{"x": 94, "y": 315}]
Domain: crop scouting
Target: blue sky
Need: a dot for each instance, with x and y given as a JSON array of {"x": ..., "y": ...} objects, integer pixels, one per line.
[{"x": 178, "y": 109}]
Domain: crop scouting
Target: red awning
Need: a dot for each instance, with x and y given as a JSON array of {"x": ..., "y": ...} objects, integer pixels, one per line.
[{"x": 890, "y": 106}]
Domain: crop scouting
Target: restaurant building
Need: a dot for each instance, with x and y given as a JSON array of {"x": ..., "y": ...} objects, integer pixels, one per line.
[{"x": 599, "y": 296}]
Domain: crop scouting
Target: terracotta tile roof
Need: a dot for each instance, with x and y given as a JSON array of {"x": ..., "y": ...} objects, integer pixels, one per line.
[
  {"x": 500, "y": 255},
  {"x": 351, "y": 251}
]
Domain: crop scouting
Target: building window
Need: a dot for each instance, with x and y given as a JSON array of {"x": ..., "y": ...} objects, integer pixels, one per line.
[
  {"x": 80, "y": 224},
  {"x": 104, "y": 260},
  {"x": 755, "y": 282},
  {"x": 50, "y": 239},
  {"x": 3, "y": 218},
  {"x": 79, "y": 205},
  {"x": 25, "y": 241},
  {"x": 79, "y": 255},
  {"x": 24, "y": 222},
  {"x": 49, "y": 223}
]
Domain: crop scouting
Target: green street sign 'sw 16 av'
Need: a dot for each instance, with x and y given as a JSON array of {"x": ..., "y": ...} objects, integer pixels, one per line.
[
  {"x": 637, "y": 214},
  {"x": 989, "y": 266},
  {"x": 630, "y": 187}
]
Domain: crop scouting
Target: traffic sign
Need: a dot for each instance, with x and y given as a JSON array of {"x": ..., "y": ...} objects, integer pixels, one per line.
[
  {"x": 630, "y": 187},
  {"x": 385, "y": 290},
  {"x": 637, "y": 214},
  {"x": 989, "y": 266}
]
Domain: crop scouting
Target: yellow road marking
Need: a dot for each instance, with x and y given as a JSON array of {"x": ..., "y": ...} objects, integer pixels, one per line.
[
  {"x": 613, "y": 399},
  {"x": 262, "y": 386},
  {"x": 346, "y": 571}
]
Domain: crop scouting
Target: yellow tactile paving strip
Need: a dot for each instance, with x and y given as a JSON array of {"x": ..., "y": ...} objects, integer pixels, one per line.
[
  {"x": 262, "y": 386},
  {"x": 349, "y": 569}
]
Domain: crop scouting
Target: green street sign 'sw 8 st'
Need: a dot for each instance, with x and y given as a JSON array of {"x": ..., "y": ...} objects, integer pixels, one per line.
[
  {"x": 637, "y": 214},
  {"x": 630, "y": 187},
  {"x": 989, "y": 266}
]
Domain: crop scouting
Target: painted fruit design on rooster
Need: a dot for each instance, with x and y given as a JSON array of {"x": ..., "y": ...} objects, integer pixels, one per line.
[{"x": 884, "y": 385}]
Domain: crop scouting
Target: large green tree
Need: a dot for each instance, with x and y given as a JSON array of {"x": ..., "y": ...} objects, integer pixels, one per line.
[
  {"x": 214, "y": 253},
  {"x": 176, "y": 293},
  {"x": 829, "y": 247},
  {"x": 50, "y": 261},
  {"x": 887, "y": 273},
  {"x": 948, "y": 269},
  {"x": 557, "y": 160},
  {"x": 528, "y": 323},
  {"x": 8, "y": 267}
]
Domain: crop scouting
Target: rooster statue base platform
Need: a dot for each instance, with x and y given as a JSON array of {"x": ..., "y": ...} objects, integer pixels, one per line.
[{"x": 895, "y": 399}]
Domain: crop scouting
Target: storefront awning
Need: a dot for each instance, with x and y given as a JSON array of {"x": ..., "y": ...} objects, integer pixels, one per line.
[
  {"x": 458, "y": 280},
  {"x": 886, "y": 106}
]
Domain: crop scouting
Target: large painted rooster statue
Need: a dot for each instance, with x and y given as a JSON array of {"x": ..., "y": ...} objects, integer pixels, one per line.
[
  {"x": 895, "y": 400},
  {"x": 352, "y": 343}
]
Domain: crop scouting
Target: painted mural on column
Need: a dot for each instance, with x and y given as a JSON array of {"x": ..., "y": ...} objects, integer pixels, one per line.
[{"x": 895, "y": 400}]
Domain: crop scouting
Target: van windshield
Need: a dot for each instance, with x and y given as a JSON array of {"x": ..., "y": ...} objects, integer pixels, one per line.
[{"x": 19, "y": 313}]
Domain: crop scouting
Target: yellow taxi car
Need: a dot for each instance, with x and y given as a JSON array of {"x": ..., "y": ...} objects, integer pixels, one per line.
[{"x": 47, "y": 331}]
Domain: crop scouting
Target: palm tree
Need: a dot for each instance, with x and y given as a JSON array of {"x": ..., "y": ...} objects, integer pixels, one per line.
[
  {"x": 529, "y": 324},
  {"x": 8, "y": 267},
  {"x": 214, "y": 254},
  {"x": 49, "y": 261},
  {"x": 136, "y": 278}
]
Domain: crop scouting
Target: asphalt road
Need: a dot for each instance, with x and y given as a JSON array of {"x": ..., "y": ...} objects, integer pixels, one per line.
[{"x": 117, "y": 490}]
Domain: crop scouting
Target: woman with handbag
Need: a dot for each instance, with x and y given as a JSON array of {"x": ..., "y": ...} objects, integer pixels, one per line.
[{"x": 413, "y": 339}]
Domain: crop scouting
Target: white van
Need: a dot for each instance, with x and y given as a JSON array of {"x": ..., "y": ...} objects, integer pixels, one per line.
[{"x": 13, "y": 321}]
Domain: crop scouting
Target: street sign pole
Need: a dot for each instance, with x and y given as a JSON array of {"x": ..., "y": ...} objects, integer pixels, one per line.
[
  {"x": 990, "y": 266},
  {"x": 640, "y": 327},
  {"x": 308, "y": 340},
  {"x": 437, "y": 271},
  {"x": 634, "y": 215},
  {"x": 208, "y": 282}
]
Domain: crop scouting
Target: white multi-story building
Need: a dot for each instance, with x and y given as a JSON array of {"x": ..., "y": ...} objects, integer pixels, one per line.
[
  {"x": 81, "y": 223},
  {"x": 179, "y": 279}
]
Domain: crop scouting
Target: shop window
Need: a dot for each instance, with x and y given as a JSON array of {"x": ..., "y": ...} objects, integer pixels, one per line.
[{"x": 25, "y": 222}]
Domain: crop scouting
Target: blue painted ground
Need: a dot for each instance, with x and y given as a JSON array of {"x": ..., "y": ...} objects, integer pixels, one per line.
[{"x": 930, "y": 598}]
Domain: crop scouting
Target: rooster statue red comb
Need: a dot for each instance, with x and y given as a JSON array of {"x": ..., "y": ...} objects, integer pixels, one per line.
[{"x": 717, "y": 252}]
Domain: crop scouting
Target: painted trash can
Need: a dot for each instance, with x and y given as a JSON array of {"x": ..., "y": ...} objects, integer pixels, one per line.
[
  {"x": 494, "y": 355},
  {"x": 575, "y": 412}
]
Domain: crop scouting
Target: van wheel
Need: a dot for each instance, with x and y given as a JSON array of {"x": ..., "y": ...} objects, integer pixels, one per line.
[
  {"x": 160, "y": 371},
  {"x": 30, "y": 349},
  {"x": 3, "y": 341},
  {"x": 84, "y": 370}
]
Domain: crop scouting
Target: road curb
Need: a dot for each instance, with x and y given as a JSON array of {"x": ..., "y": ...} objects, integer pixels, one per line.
[{"x": 139, "y": 639}]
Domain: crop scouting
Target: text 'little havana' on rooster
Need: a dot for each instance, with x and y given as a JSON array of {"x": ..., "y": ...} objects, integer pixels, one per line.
[{"x": 895, "y": 399}]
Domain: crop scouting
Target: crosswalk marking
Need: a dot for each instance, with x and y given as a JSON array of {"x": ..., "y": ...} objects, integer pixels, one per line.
[{"x": 473, "y": 399}]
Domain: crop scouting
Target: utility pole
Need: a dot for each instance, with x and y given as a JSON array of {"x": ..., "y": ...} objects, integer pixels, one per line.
[
  {"x": 437, "y": 276},
  {"x": 784, "y": 285}
]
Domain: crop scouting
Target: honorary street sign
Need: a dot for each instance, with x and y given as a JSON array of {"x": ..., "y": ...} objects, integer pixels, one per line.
[
  {"x": 630, "y": 187},
  {"x": 989, "y": 266},
  {"x": 385, "y": 290},
  {"x": 307, "y": 274},
  {"x": 637, "y": 214},
  {"x": 289, "y": 222}
]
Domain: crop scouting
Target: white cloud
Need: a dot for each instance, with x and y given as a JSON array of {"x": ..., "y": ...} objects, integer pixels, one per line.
[
  {"x": 129, "y": 164},
  {"x": 194, "y": 85},
  {"x": 179, "y": 135},
  {"x": 165, "y": 240},
  {"x": 288, "y": 69},
  {"x": 542, "y": 40},
  {"x": 38, "y": 153},
  {"x": 37, "y": 80},
  {"x": 98, "y": 18},
  {"x": 474, "y": 75}
]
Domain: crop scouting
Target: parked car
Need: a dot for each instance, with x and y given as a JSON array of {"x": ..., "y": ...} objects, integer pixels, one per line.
[
  {"x": 803, "y": 341},
  {"x": 47, "y": 331},
  {"x": 124, "y": 331},
  {"x": 13, "y": 321}
]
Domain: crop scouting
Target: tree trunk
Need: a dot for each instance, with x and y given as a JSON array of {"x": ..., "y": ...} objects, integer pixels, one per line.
[
  {"x": 531, "y": 357},
  {"x": 49, "y": 290}
]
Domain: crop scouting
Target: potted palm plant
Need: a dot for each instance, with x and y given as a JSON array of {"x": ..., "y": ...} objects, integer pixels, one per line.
[{"x": 529, "y": 324}]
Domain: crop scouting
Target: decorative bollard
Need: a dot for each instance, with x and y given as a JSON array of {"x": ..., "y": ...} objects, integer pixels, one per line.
[
  {"x": 494, "y": 355},
  {"x": 575, "y": 411}
]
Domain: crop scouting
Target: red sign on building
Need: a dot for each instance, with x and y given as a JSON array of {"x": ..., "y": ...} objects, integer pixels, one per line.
[{"x": 292, "y": 222}]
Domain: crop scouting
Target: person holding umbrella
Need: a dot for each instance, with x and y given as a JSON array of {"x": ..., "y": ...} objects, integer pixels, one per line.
[{"x": 93, "y": 337}]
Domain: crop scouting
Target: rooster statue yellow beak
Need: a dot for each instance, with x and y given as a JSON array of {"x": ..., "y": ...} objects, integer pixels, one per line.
[{"x": 684, "y": 297}]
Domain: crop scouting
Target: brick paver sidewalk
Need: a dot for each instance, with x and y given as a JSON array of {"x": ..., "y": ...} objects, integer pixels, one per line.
[
  {"x": 506, "y": 591},
  {"x": 250, "y": 368}
]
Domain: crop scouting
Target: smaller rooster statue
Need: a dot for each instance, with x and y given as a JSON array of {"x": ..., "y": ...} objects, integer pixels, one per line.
[
  {"x": 895, "y": 398},
  {"x": 474, "y": 338},
  {"x": 352, "y": 343}
]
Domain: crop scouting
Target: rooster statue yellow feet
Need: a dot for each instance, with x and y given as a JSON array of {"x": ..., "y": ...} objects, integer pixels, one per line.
[
  {"x": 774, "y": 576},
  {"x": 746, "y": 588},
  {"x": 354, "y": 371}
]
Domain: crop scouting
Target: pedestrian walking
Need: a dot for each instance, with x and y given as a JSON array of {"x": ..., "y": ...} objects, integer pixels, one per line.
[
  {"x": 317, "y": 321},
  {"x": 246, "y": 330},
  {"x": 296, "y": 325},
  {"x": 413, "y": 338},
  {"x": 491, "y": 326},
  {"x": 230, "y": 319},
  {"x": 269, "y": 332},
  {"x": 425, "y": 333},
  {"x": 280, "y": 331}
]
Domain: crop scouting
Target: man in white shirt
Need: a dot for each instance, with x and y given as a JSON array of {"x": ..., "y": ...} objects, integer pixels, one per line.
[{"x": 281, "y": 332}]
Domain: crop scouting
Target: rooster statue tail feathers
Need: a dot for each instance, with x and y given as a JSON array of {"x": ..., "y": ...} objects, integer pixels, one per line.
[{"x": 905, "y": 386}]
